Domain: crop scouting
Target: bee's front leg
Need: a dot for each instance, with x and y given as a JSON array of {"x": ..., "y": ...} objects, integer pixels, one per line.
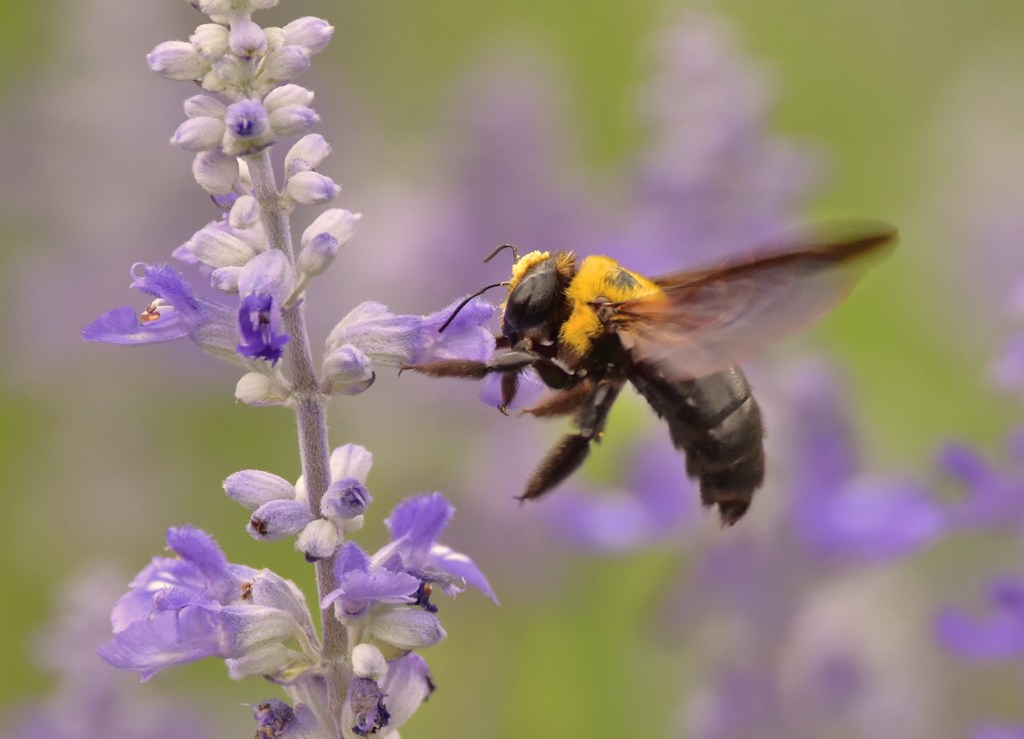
[{"x": 513, "y": 361}]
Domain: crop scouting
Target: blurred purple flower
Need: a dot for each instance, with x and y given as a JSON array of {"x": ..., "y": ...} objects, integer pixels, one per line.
[
  {"x": 713, "y": 179},
  {"x": 998, "y": 732},
  {"x": 838, "y": 510},
  {"x": 994, "y": 497},
  {"x": 998, "y": 636},
  {"x": 89, "y": 699},
  {"x": 655, "y": 503}
]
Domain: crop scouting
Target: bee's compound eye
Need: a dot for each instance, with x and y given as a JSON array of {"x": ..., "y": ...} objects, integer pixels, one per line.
[{"x": 533, "y": 300}]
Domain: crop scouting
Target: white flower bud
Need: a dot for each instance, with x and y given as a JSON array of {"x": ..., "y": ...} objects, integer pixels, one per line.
[
  {"x": 253, "y": 488},
  {"x": 347, "y": 371},
  {"x": 317, "y": 255},
  {"x": 407, "y": 628},
  {"x": 210, "y": 41},
  {"x": 339, "y": 223},
  {"x": 247, "y": 38},
  {"x": 367, "y": 661},
  {"x": 283, "y": 64},
  {"x": 311, "y": 33},
  {"x": 227, "y": 73},
  {"x": 311, "y": 187},
  {"x": 258, "y": 390},
  {"x": 279, "y": 97},
  {"x": 245, "y": 213},
  {"x": 225, "y": 279},
  {"x": 307, "y": 153},
  {"x": 318, "y": 540},
  {"x": 351, "y": 460},
  {"x": 216, "y": 247},
  {"x": 177, "y": 60},
  {"x": 205, "y": 106},
  {"x": 292, "y": 120},
  {"x": 199, "y": 134},
  {"x": 215, "y": 172}
]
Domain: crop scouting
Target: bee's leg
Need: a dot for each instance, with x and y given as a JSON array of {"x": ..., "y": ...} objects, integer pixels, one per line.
[
  {"x": 513, "y": 361},
  {"x": 561, "y": 402},
  {"x": 570, "y": 452}
]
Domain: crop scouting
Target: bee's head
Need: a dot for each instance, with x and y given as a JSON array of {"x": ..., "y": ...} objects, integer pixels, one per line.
[
  {"x": 535, "y": 305},
  {"x": 536, "y": 295}
]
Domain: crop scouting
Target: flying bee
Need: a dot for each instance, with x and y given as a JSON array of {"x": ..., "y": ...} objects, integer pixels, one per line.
[{"x": 587, "y": 327}]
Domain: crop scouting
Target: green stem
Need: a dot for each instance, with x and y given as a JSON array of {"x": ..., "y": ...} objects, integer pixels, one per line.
[{"x": 311, "y": 419}]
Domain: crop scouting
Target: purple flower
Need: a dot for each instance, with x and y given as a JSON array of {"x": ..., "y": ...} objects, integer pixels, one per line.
[
  {"x": 370, "y": 334},
  {"x": 174, "y": 611},
  {"x": 995, "y": 497},
  {"x": 198, "y": 605},
  {"x": 275, "y": 719},
  {"x": 88, "y": 699},
  {"x": 992, "y": 731},
  {"x": 465, "y": 337},
  {"x": 406, "y": 685},
  {"x": 656, "y": 502},
  {"x": 360, "y": 585},
  {"x": 364, "y": 711},
  {"x": 377, "y": 602},
  {"x": 175, "y": 313},
  {"x": 838, "y": 510},
  {"x": 998, "y": 636},
  {"x": 712, "y": 180},
  {"x": 264, "y": 284},
  {"x": 415, "y": 525}
]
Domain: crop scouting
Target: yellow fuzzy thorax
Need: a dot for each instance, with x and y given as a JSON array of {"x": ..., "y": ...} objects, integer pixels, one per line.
[{"x": 599, "y": 276}]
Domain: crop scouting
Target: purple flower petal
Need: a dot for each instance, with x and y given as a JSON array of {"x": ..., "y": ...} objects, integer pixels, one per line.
[
  {"x": 998, "y": 636},
  {"x": 359, "y": 585},
  {"x": 168, "y": 638},
  {"x": 871, "y": 519},
  {"x": 466, "y": 337},
  {"x": 658, "y": 501},
  {"x": 174, "y": 314},
  {"x": 415, "y": 525},
  {"x": 419, "y": 522},
  {"x": 123, "y": 326}
]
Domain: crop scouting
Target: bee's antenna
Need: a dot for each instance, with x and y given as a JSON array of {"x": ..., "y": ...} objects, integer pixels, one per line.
[
  {"x": 515, "y": 253},
  {"x": 465, "y": 302}
]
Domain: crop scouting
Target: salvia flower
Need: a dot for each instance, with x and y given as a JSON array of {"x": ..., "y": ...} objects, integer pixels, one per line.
[
  {"x": 175, "y": 313},
  {"x": 997, "y": 636},
  {"x": 416, "y": 526},
  {"x": 246, "y": 128},
  {"x": 198, "y": 605},
  {"x": 364, "y": 677},
  {"x": 370, "y": 334},
  {"x": 264, "y": 285}
]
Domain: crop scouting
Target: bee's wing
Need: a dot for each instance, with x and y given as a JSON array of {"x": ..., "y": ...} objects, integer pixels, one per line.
[{"x": 714, "y": 318}]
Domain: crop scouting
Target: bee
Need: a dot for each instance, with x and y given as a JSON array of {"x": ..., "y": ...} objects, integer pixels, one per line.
[{"x": 590, "y": 326}]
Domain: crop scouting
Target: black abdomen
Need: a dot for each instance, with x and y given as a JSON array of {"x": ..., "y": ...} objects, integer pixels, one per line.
[{"x": 717, "y": 423}]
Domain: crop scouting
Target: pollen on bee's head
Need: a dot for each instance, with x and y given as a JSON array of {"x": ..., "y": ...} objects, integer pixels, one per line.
[{"x": 524, "y": 264}]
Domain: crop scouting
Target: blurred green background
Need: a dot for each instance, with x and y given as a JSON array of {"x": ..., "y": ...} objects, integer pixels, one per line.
[{"x": 916, "y": 107}]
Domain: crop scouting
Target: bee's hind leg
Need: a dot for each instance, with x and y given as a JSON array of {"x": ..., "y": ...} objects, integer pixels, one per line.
[{"x": 566, "y": 457}]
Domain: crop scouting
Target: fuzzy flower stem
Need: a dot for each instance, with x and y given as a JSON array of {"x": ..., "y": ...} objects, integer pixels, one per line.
[{"x": 311, "y": 419}]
